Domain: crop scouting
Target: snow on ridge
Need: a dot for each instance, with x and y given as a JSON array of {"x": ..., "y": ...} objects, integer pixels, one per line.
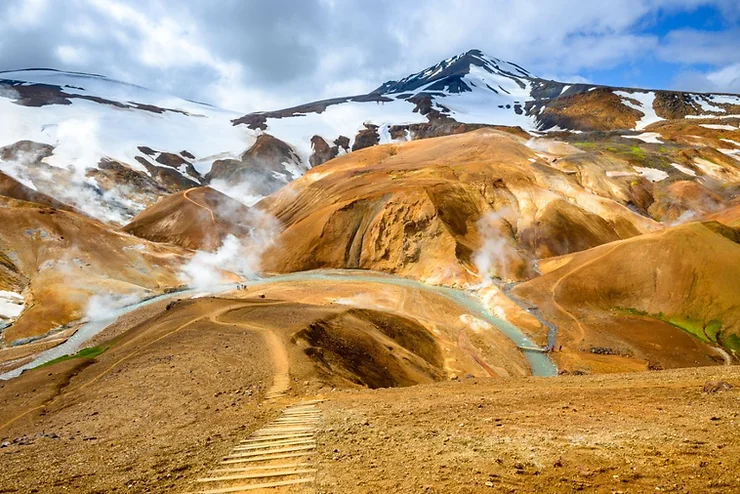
[
  {"x": 649, "y": 137},
  {"x": 96, "y": 85},
  {"x": 345, "y": 119},
  {"x": 725, "y": 99},
  {"x": 702, "y": 100},
  {"x": 683, "y": 169},
  {"x": 719, "y": 126},
  {"x": 645, "y": 106},
  {"x": 85, "y": 132},
  {"x": 708, "y": 117}
]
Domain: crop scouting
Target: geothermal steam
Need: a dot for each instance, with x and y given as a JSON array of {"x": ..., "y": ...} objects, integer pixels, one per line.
[
  {"x": 496, "y": 253},
  {"x": 240, "y": 256}
]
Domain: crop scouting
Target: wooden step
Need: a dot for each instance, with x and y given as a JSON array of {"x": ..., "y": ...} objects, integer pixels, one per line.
[
  {"x": 262, "y": 475},
  {"x": 267, "y": 458},
  {"x": 275, "y": 444},
  {"x": 282, "y": 466},
  {"x": 278, "y": 436},
  {"x": 252, "y": 487},
  {"x": 289, "y": 449}
]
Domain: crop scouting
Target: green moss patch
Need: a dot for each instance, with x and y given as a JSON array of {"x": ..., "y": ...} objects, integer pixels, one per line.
[
  {"x": 91, "y": 352},
  {"x": 710, "y": 332},
  {"x": 585, "y": 145}
]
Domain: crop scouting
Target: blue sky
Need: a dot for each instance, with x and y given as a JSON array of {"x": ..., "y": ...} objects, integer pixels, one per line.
[
  {"x": 256, "y": 55},
  {"x": 651, "y": 71}
]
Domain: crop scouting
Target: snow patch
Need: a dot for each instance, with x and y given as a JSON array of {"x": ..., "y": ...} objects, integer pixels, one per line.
[
  {"x": 645, "y": 106},
  {"x": 719, "y": 126},
  {"x": 11, "y": 305},
  {"x": 651, "y": 173},
  {"x": 649, "y": 137},
  {"x": 683, "y": 169}
]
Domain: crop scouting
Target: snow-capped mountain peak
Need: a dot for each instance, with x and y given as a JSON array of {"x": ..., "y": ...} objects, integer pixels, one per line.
[{"x": 450, "y": 75}]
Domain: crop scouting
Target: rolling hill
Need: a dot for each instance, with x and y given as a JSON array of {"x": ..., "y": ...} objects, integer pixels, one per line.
[{"x": 667, "y": 299}]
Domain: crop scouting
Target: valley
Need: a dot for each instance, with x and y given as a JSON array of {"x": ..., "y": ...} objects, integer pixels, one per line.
[{"x": 471, "y": 279}]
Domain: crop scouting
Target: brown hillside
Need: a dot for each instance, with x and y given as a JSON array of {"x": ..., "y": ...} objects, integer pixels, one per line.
[
  {"x": 59, "y": 259},
  {"x": 665, "y": 299},
  {"x": 424, "y": 208},
  {"x": 729, "y": 216},
  {"x": 10, "y": 187},
  {"x": 195, "y": 219}
]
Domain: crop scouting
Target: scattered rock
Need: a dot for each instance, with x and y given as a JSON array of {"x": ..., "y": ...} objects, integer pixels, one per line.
[{"x": 716, "y": 386}]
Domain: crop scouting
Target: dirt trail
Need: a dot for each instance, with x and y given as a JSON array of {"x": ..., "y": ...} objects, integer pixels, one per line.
[
  {"x": 281, "y": 381},
  {"x": 274, "y": 457},
  {"x": 210, "y": 211},
  {"x": 556, "y": 285}
]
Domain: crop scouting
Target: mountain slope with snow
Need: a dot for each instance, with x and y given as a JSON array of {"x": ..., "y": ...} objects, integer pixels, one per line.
[
  {"x": 111, "y": 149},
  {"x": 106, "y": 147},
  {"x": 472, "y": 90}
]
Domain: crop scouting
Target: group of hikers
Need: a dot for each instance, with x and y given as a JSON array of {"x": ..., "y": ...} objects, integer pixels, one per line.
[{"x": 241, "y": 286}]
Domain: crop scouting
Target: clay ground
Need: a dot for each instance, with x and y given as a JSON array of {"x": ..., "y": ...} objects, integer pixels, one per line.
[
  {"x": 150, "y": 413},
  {"x": 176, "y": 391},
  {"x": 632, "y": 433}
]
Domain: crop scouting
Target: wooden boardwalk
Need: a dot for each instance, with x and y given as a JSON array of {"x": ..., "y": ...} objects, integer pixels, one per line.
[{"x": 276, "y": 458}]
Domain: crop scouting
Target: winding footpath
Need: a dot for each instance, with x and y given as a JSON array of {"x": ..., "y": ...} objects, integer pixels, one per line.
[
  {"x": 539, "y": 361},
  {"x": 277, "y": 455},
  {"x": 210, "y": 211},
  {"x": 274, "y": 456}
]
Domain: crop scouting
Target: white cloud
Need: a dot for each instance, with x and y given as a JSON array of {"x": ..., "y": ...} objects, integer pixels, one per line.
[
  {"x": 689, "y": 46},
  {"x": 72, "y": 55},
  {"x": 723, "y": 80},
  {"x": 27, "y": 13},
  {"x": 262, "y": 55}
]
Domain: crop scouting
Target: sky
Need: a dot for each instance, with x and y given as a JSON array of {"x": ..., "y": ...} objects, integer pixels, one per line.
[{"x": 248, "y": 55}]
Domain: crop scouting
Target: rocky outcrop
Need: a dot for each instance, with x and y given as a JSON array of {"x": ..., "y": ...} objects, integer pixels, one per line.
[
  {"x": 26, "y": 151},
  {"x": 168, "y": 178},
  {"x": 322, "y": 152},
  {"x": 674, "y": 105},
  {"x": 599, "y": 109},
  {"x": 366, "y": 137},
  {"x": 265, "y": 167}
]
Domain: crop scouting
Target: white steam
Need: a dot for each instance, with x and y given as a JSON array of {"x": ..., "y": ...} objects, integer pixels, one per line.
[
  {"x": 684, "y": 217},
  {"x": 8, "y": 92},
  {"x": 235, "y": 256},
  {"x": 243, "y": 192},
  {"x": 496, "y": 252},
  {"x": 104, "y": 307},
  {"x": 64, "y": 174}
]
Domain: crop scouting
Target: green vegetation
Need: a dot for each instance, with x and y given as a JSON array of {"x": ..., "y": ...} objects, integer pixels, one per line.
[
  {"x": 710, "y": 332},
  {"x": 694, "y": 328},
  {"x": 637, "y": 153},
  {"x": 585, "y": 145},
  {"x": 732, "y": 343},
  {"x": 632, "y": 311},
  {"x": 91, "y": 352}
]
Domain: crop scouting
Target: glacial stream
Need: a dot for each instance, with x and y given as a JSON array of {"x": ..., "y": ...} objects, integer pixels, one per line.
[
  {"x": 539, "y": 362},
  {"x": 91, "y": 328}
]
